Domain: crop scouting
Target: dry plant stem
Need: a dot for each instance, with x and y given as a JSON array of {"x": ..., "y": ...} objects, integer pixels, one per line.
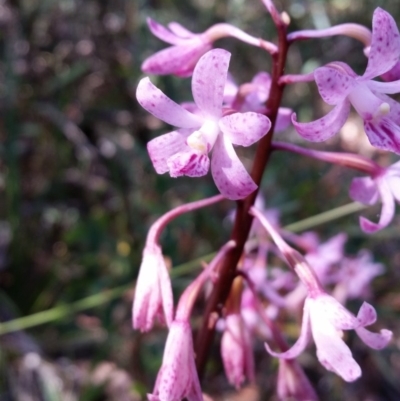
[{"x": 243, "y": 219}]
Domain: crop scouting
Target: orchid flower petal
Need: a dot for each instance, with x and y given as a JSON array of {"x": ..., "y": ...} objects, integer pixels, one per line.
[
  {"x": 367, "y": 314},
  {"x": 387, "y": 212},
  {"x": 178, "y": 60},
  {"x": 162, "y": 107},
  {"x": 283, "y": 119},
  {"x": 375, "y": 340},
  {"x": 230, "y": 176},
  {"x": 385, "y": 44},
  {"x": 325, "y": 127},
  {"x": 334, "y": 81},
  {"x": 301, "y": 343},
  {"x": 262, "y": 81},
  {"x": 394, "y": 185},
  {"x": 332, "y": 352},
  {"x": 164, "y": 146},
  {"x": 153, "y": 292},
  {"x": 180, "y": 30},
  {"x": 162, "y": 33},
  {"x": 383, "y": 134},
  {"x": 364, "y": 190},
  {"x": 384, "y": 87},
  {"x": 244, "y": 129},
  {"x": 189, "y": 162},
  {"x": 209, "y": 77},
  {"x": 339, "y": 316}
]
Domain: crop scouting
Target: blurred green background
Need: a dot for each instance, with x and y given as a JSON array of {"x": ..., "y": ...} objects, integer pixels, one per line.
[{"x": 78, "y": 192}]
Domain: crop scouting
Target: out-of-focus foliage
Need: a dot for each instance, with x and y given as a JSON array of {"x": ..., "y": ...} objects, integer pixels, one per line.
[{"x": 78, "y": 192}]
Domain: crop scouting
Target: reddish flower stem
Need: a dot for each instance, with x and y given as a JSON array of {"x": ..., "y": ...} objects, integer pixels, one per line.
[{"x": 243, "y": 219}]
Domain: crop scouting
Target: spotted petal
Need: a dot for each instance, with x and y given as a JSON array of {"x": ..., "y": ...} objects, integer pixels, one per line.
[
  {"x": 383, "y": 134},
  {"x": 162, "y": 107},
  {"x": 208, "y": 82},
  {"x": 163, "y": 147},
  {"x": 230, "y": 176},
  {"x": 385, "y": 44},
  {"x": 334, "y": 81},
  {"x": 245, "y": 128},
  {"x": 325, "y": 127},
  {"x": 189, "y": 162}
]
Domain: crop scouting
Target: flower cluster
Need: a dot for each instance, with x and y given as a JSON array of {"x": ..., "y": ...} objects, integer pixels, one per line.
[{"x": 248, "y": 280}]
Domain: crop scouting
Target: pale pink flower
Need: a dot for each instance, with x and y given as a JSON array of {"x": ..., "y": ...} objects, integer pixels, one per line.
[
  {"x": 384, "y": 185},
  {"x": 180, "y": 58},
  {"x": 185, "y": 151},
  {"x": 177, "y": 378},
  {"x": 153, "y": 293},
  {"x": 187, "y": 47},
  {"x": 340, "y": 86},
  {"x": 354, "y": 275},
  {"x": 324, "y": 318},
  {"x": 236, "y": 351}
]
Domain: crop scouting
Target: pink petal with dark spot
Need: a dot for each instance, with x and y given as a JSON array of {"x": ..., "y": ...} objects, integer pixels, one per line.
[
  {"x": 325, "y": 127},
  {"x": 334, "y": 81},
  {"x": 163, "y": 147},
  {"x": 245, "y": 128},
  {"x": 208, "y": 82},
  {"x": 190, "y": 163},
  {"x": 383, "y": 133},
  {"x": 385, "y": 44}
]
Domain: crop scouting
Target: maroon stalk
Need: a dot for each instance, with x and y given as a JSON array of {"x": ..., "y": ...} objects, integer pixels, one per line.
[{"x": 243, "y": 219}]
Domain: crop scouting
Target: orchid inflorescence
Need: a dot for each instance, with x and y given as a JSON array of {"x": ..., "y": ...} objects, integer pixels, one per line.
[{"x": 320, "y": 278}]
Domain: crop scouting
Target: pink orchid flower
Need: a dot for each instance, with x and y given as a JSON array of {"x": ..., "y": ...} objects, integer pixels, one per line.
[
  {"x": 236, "y": 351},
  {"x": 153, "y": 293},
  {"x": 180, "y": 58},
  {"x": 354, "y": 276},
  {"x": 185, "y": 151},
  {"x": 340, "y": 86},
  {"x": 177, "y": 379},
  {"x": 384, "y": 185},
  {"x": 324, "y": 318}
]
